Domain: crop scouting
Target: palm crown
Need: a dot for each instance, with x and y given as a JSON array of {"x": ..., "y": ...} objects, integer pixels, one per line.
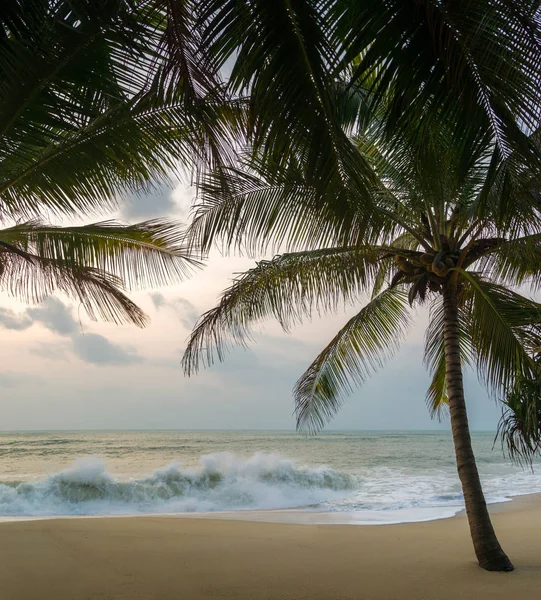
[{"x": 435, "y": 224}]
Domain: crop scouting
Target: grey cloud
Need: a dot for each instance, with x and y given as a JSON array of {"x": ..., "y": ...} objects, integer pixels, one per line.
[
  {"x": 12, "y": 320},
  {"x": 158, "y": 300},
  {"x": 98, "y": 350},
  {"x": 51, "y": 313},
  {"x": 55, "y": 316},
  {"x": 146, "y": 205},
  {"x": 185, "y": 311},
  {"x": 58, "y": 318}
]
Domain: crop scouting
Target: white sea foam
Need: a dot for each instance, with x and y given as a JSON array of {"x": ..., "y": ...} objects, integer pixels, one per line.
[{"x": 222, "y": 482}]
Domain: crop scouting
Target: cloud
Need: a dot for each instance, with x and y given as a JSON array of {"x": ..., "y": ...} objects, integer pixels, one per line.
[
  {"x": 158, "y": 202},
  {"x": 158, "y": 300},
  {"x": 185, "y": 311},
  {"x": 98, "y": 350},
  {"x": 55, "y": 316},
  {"x": 51, "y": 313},
  {"x": 12, "y": 320}
]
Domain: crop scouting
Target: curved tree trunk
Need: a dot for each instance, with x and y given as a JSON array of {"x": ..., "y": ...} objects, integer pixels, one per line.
[{"x": 487, "y": 548}]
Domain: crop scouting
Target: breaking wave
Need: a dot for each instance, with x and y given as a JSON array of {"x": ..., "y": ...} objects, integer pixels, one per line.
[{"x": 221, "y": 482}]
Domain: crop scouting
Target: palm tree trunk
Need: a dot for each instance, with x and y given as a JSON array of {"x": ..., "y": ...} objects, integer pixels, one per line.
[{"x": 487, "y": 548}]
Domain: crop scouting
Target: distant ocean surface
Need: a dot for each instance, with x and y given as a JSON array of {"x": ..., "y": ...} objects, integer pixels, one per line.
[{"x": 375, "y": 477}]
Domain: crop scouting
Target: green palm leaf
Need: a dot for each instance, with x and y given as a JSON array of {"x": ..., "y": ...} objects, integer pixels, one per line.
[
  {"x": 514, "y": 261},
  {"x": 93, "y": 263},
  {"x": 498, "y": 323},
  {"x": 520, "y": 425},
  {"x": 148, "y": 254},
  {"x": 288, "y": 288},
  {"x": 95, "y": 101},
  {"x": 273, "y": 209},
  {"x": 358, "y": 350},
  {"x": 32, "y": 278},
  {"x": 474, "y": 65},
  {"x": 77, "y": 171},
  {"x": 283, "y": 61}
]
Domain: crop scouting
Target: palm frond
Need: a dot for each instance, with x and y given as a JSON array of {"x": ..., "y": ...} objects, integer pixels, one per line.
[
  {"x": 269, "y": 209},
  {"x": 498, "y": 321},
  {"x": 148, "y": 254},
  {"x": 519, "y": 428},
  {"x": 437, "y": 400},
  {"x": 283, "y": 59},
  {"x": 187, "y": 68},
  {"x": 511, "y": 191},
  {"x": 514, "y": 261},
  {"x": 289, "y": 288},
  {"x": 31, "y": 279},
  {"x": 359, "y": 349},
  {"x": 86, "y": 168},
  {"x": 84, "y": 112},
  {"x": 473, "y": 64}
]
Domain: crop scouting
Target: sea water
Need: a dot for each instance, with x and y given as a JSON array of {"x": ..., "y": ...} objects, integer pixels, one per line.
[{"x": 379, "y": 477}]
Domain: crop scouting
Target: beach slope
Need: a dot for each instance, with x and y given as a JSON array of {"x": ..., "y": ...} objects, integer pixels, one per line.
[{"x": 162, "y": 558}]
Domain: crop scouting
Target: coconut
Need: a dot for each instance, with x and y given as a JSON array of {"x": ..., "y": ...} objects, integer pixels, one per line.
[{"x": 426, "y": 259}]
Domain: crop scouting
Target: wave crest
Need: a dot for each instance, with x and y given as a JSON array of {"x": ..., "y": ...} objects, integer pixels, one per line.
[{"x": 222, "y": 482}]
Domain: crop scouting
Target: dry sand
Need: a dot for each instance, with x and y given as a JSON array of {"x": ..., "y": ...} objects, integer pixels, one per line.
[{"x": 162, "y": 558}]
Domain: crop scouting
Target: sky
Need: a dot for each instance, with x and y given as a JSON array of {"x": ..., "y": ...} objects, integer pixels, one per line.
[{"x": 60, "y": 370}]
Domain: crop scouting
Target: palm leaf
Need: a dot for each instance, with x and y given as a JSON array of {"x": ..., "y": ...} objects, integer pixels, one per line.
[
  {"x": 358, "y": 350},
  {"x": 519, "y": 428},
  {"x": 122, "y": 149},
  {"x": 510, "y": 191},
  {"x": 282, "y": 59},
  {"x": 498, "y": 321},
  {"x": 473, "y": 64},
  {"x": 31, "y": 279},
  {"x": 90, "y": 105},
  {"x": 288, "y": 288},
  {"x": 260, "y": 209},
  {"x": 148, "y": 254},
  {"x": 514, "y": 261}
]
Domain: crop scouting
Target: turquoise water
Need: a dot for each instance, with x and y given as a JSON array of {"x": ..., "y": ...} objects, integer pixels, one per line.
[{"x": 383, "y": 476}]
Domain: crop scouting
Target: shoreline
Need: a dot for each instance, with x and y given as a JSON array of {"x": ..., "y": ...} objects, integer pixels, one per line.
[
  {"x": 295, "y": 516},
  {"x": 165, "y": 558}
]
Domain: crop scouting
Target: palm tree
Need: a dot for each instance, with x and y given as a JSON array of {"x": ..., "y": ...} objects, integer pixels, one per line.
[
  {"x": 453, "y": 234},
  {"x": 97, "y": 98},
  {"x": 435, "y": 217}
]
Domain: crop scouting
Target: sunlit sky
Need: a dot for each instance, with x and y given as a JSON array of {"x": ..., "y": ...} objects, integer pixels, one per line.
[{"x": 60, "y": 370}]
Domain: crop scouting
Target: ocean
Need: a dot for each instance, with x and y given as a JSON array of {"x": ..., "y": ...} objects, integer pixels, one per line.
[{"x": 355, "y": 477}]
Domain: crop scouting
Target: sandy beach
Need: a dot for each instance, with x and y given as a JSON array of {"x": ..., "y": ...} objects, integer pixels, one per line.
[{"x": 162, "y": 558}]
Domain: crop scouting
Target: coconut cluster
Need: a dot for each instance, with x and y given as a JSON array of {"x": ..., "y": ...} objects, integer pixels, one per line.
[{"x": 439, "y": 263}]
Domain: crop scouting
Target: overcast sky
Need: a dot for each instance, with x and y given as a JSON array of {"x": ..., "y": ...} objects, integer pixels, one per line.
[{"x": 60, "y": 370}]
